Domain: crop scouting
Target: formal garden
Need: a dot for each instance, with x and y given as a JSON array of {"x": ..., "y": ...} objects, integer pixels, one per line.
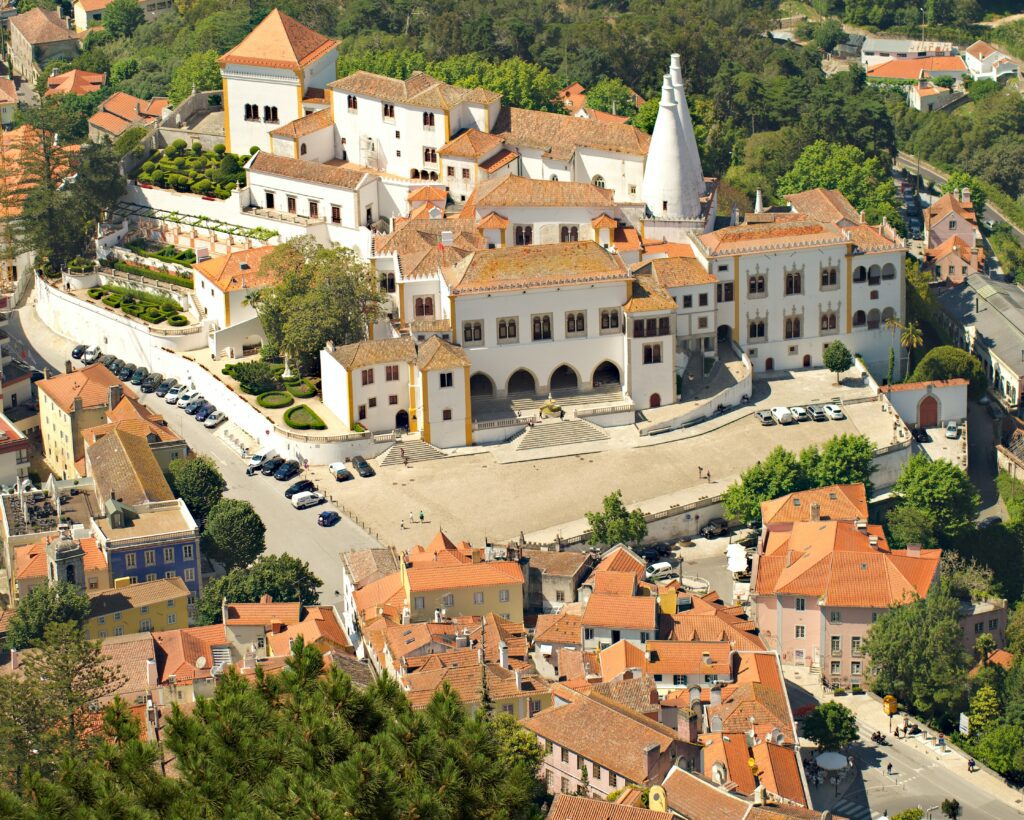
[
  {"x": 139, "y": 304},
  {"x": 213, "y": 173},
  {"x": 266, "y": 381}
]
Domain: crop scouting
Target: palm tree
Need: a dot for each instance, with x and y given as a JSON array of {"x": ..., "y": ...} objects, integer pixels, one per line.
[
  {"x": 911, "y": 338},
  {"x": 892, "y": 324}
]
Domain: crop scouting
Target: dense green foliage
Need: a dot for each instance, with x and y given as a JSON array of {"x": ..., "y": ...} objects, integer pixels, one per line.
[
  {"x": 282, "y": 577},
  {"x": 43, "y": 605},
  {"x": 235, "y": 533},
  {"x": 614, "y": 524},
  {"x": 949, "y": 362},
  {"x": 212, "y": 173},
  {"x": 198, "y": 483},
  {"x": 831, "y": 725},
  {"x": 838, "y": 358},
  {"x": 942, "y": 491}
]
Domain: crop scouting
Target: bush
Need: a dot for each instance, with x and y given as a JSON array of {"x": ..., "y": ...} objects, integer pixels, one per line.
[
  {"x": 112, "y": 300},
  {"x": 253, "y": 149},
  {"x": 301, "y": 389},
  {"x": 275, "y": 399},
  {"x": 219, "y": 148},
  {"x": 178, "y": 321},
  {"x": 301, "y": 417},
  {"x": 96, "y": 293},
  {"x": 256, "y": 378},
  {"x": 148, "y": 166},
  {"x": 202, "y": 186},
  {"x": 159, "y": 276}
]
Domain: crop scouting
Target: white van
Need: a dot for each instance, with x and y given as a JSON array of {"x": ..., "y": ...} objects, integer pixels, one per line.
[
  {"x": 302, "y": 500},
  {"x": 261, "y": 455},
  {"x": 658, "y": 569},
  {"x": 782, "y": 415},
  {"x": 91, "y": 355}
]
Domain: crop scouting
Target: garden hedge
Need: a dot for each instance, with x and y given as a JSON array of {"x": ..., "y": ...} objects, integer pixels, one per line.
[
  {"x": 177, "y": 321},
  {"x": 300, "y": 388},
  {"x": 275, "y": 400},
  {"x": 159, "y": 276},
  {"x": 96, "y": 293},
  {"x": 301, "y": 417}
]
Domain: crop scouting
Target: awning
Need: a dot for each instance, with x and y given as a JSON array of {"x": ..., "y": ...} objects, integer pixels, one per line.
[{"x": 831, "y": 761}]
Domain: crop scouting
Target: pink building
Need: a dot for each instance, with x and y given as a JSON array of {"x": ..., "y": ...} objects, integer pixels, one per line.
[
  {"x": 819, "y": 584},
  {"x": 951, "y": 215}
]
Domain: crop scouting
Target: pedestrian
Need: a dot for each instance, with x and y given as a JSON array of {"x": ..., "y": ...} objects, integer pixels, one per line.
[
  {"x": 709, "y": 476},
  {"x": 401, "y": 524},
  {"x": 421, "y": 516},
  {"x": 405, "y": 460},
  {"x": 561, "y": 415},
  {"x": 401, "y": 451},
  {"x": 970, "y": 765},
  {"x": 700, "y": 471},
  {"x": 412, "y": 518},
  {"x": 888, "y": 769}
]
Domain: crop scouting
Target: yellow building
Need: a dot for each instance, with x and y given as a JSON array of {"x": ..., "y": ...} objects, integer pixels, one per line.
[
  {"x": 70, "y": 403},
  {"x": 151, "y": 606}
]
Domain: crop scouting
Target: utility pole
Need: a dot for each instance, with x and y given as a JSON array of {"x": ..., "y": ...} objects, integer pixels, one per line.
[{"x": 922, "y": 24}]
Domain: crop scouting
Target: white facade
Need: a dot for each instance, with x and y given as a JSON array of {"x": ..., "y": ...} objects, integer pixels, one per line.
[{"x": 443, "y": 411}]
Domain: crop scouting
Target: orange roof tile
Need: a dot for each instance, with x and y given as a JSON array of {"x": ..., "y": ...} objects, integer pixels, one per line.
[
  {"x": 182, "y": 649},
  {"x": 321, "y": 173},
  {"x": 560, "y": 136},
  {"x": 39, "y": 26},
  {"x": 493, "y": 221},
  {"x": 513, "y": 191},
  {"x": 30, "y": 560},
  {"x": 998, "y": 657},
  {"x": 779, "y": 771},
  {"x": 263, "y": 613},
  {"x": 241, "y": 270},
  {"x": 318, "y": 628},
  {"x": 90, "y": 384},
  {"x": 428, "y": 193},
  {"x": 304, "y": 126},
  {"x": 279, "y": 41},
  {"x": 576, "y": 807},
  {"x": 701, "y": 800},
  {"x": 946, "y": 204},
  {"x": 615, "y": 583},
  {"x": 911, "y": 69},
  {"x": 825, "y": 205},
  {"x": 603, "y": 116},
  {"x": 897, "y": 388},
  {"x": 472, "y": 144},
  {"x": 8, "y": 93},
  {"x": 647, "y": 295},
  {"x": 560, "y": 628},
  {"x": 685, "y": 658},
  {"x": 420, "y": 90},
  {"x": 426, "y": 578},
  {"x": 622, "y": 559},
  {"x": 837, "y": 502},
  {"x": 385, "y": 594},
  {"x": 74, "y": 82},
  {"x": 621, "y": 612},
  {"x": 498, "y": 161}
]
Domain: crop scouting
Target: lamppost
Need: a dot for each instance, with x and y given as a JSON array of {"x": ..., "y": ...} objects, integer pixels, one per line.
[{"x": 922, "y": 24}]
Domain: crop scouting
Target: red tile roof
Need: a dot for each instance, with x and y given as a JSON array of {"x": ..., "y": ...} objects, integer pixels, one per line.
[
  {"x": 576, "y": 807},
  {"x": 697, "y": 799},
  {"x": 74, "y": 82},
  {"x": 263, "y": 613},
  {"x": 240, "y": 270},
  {"x": 279, "y": 41},
  {"x": 30, "y": 560},
  {"x": 622, "y": 612},
  {"x": 90, "y": 384},
  {"x": 911, "y": 69},
  {"x": 622, "y": 559},
  {"x": 561, "y": 628},
  {"x": 898, "y": 388},
  {"x": 837, "y": 502}
]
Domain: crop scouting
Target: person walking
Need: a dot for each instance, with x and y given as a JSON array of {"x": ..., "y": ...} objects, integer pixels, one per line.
[
  {"x": 888, "y": 768},
  {"x": 421, "y": 516},
  {"x": 700, "y": 471},
  {"x": 970, "y": 765}
]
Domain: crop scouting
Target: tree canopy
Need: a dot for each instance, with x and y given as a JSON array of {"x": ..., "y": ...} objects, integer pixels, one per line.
[
  {"x": 122, "y": 17},
  {"x": 48, "y": 603},
  {"x": 235, "y": 532},
  {"x": 613, "y": 96},
  {"x": 949, "y": 362},
  {"x": 282, "y": 577},
  {"x": 198, "y": 483},
  {"x": 614, "y": 524},
  {"x": 942, "y": 491},
  {"x": 831, "y": 725}
]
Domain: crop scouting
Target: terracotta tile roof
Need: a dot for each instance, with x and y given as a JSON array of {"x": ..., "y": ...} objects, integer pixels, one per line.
[
  {"x": 183, "y": 647},
  {"x": 134, "y": 419},
  {"x": 534, "y": 266},
  {"x": 133, "y": 596},
  {"x": 757, "y": 700},
  {"x": 496, "y": 629},
  {"x": 837, "y": 502},
  {"x": 430, "y": 326},
  {"x": 131, "y": 108},
  {"x": 698, "y": 799},
  {"x": 428, "y": 193},
  {"x": 614, "y": 583},
  {"x": 620, "y": 657},
  {"x": 30, "y": 560},
  {"x": 946, "y": 204},
  {"x": 124, "y": 467},
  {"x": 622, "y": 559},
  {"x": 685, "y": 658},
  {"x": 604, "y": 221},
  {"x": 911, "y": 69},
  {"x": 560, "y": 628},
  {"x": 375, "y": 351},
  {"x": 998, "y": 657},
  {"x": 576, "y": 807},
  {"x": 512, "y": 191},
  {"x": 321, "y": 173},
  {"x": 319, "y": 628},
  {"x": 426, "y": 578},
  {"x": 420, "y": 90},
  {"x": 493, "y": 220},
  {"x": 17, "y": 146},
  {"x": 74, "y": 82},
  {"x": 560, "y": 564},
  {"x": 441, "y": 549},
  {"x": 637, "y": 693},
  {"x": 240, "y": 270},
  {"x": 824, "y": 205},
  {"x": 129, "y": 655},
  {"x": 559, "y": 136},
  {"x": 576, "y": 664},
  {"x": 604, "y": 116},
  {"x": 498, "y": 161},
  {"x": 8, "y": 93},
  {"x": 472, "y": 144},
  {"x": 779, "y": 771},
  {"x": 264, "y": 613},
  {"x": 466, "y": 679},
  {"x": 39, "y": 26},
  {"x": 279, "y": 42},
  {"x": 366, "y": 566},
  {"x": 979, "y": 49},
  {"x": 91, "y": 384},
  {"x": 418, "y": 244},
  {"x": 437, "y": 354},
  {"x": 304, "y": 126},
  {"x": 315, "y": 95},
  {"x": 387, "y": 594},
  {"x": 605, "y": 732},
  {"x": 954, "y": 245},
  {"x": 647, "y": 295},
  {"x": 622, "y": 612},
  {"x": 738, "y": 632},
  {"x": 898, "y": 388}
]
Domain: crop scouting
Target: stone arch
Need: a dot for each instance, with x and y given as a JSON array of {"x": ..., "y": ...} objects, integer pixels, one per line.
[
  {"x": 888, "y": 271},
  {"x": 480, "y": 384},
  {"x": 874, "y": 318},
  {"x": 522, "y": 382},
  {"x": 606, "y": 373},
  {"x": 860, "y": 318},
  {"x": 564, "y": 377},
  {"x": 928, "y": 412},
  {"x": 655, "y": 400},
  {"x": 888, "y": 313},
  {"x": 860, "y": 273}
]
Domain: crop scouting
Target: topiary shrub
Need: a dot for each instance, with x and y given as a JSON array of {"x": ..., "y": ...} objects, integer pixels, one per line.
[
  {"x": 148, "y": 166},
  {"x": 219, "y": 148},
  {"x": 177, "y": 321},
  {"x": 96, "y": 293},
  {"x": 112, "y": 300},
  {"x": 197, "y": 148},
  {"x": 301, "y": 417},
  {"x": 274, "y": 400},
  {"x": 253, "y": 149},
  {"x": 301, "y": 389},
  {"x": 202, "y": 186}
]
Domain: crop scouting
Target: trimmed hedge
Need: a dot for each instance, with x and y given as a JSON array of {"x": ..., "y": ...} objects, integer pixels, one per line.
[
  {"x": 141, "y": 305},
  {"x": 96, "y": 293},
  {"x": 301, "y": 417},
  {"x": 275, "y": 400},
  {"x": 177, "y": 321},
  {"x": 301, "y": 388},
  {"x": 112, "y": 300},
  {"x": 159, "y": 276}
]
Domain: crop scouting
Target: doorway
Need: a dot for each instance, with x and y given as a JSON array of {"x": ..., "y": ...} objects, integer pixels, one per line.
[{"x": 402, "y": 420}]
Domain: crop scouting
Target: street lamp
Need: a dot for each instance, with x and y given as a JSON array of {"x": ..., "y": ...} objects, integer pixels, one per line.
[{"x": 922, "y": 24}]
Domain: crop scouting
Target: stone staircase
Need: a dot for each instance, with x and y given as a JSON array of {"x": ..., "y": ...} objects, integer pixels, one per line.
[
  {"x": 415, "y": 450},
  {"x": 555, "y": 433}
]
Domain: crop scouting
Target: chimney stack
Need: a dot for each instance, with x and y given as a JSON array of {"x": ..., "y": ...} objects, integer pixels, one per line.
[
  {"x": 114, "y": 394},
  {"x": 914, "y": 550},
  {"x": 873, "y": 542},
  {"x": 716, "y": 695},
  {"x": 965, "y": 196},
  {"x": 151, "y": 672},
  {"x": 223, "y": 606},
  {"x": 503, "y": 654},
  {"x": 815, "y": 511},
  {"x": 519, "y": 680},
  {"x": 266, "y": 599},
  {"x": 758, "y": 202}
]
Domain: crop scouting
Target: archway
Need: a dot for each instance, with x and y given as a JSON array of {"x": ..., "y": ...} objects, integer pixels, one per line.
[
  {"x": 522, "y": 381},
  {"x": 402, "y": 420},
  {"x": 807, "y": 360},
  {"x": 655, "y": 400},
  {"x": 606, "y": 373},
  {"x": 724, "y": 333},
  {"x": 564, "y": 378},
  {"x": 928, "y": 412},
  {"x": 769, "y": 363},
  {"x": 480, "y": 384}
]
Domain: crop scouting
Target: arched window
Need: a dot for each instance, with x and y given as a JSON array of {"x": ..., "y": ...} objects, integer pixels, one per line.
[
  {"x": 793, "y": 327},
  {"x": 755, "y": 284},
  {"x": 387, "y": 282},
  {"x": 874, "y": 319},
  {"x": 415, "y": 173},
  {"x": 860, "y": 273},
  {"x": 70, "y": 573},
  {"x": 829, "y": 277},
  {"x": 575, "y": 323},
  {"x": 266, "y": 113},
  {"x": 430, "y": 155},
  {"x": 424, "y": 306},
  {"x": 598, "y": 182},
  {"x": 433, "y": 176},
  {"x": 888, "y": 271},
  {"x": 302, "y": 149},
  {"x": 828, "y": 321},
  {"x": 859, "y": 318},
  {"x": 756, "y": 329},
  {"x": 794, "y": 283},
  {"x": 428, "y": 119},
  {"x": 507, "y": 329}
]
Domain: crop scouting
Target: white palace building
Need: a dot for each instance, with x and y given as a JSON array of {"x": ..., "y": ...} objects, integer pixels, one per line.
[{"x": 528, "y": 253}]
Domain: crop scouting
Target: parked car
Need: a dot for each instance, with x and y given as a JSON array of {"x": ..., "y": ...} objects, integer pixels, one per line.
[
  {"x": 834, "y": 412},
  {"x": 654, "y": 552},
  {"x": 215, "y": 418},
  {"x": 193, "y": 406},
  {"x": 337, "y": 467},
  {"x": 658, "y": 570},
  {"x": 362, "y": 467},
  {"x": 165, "y": 387},
  {"x": 106, "y": 359},
  {"x": 765, "y": 417},
  {"x": 309, "y": 499},
  {"x": 799, "y": 414},
  {"x": 342, "y": 475},
  {"x": 115, "y": 366},
  {"x": 186, "y": 397},
  {"x": 126, "y": 372},
  {"x": 203, "y": 413},
  {"x": 989, "y": 521},
  {"x": 920, "y": 435},
  {"x": 816, "y": 412},
  {"x": 715, "y": 528},
  {"x": 78, "y": 351},
  {"x": 91, "y": 355},
  {"x": 287, "y": 471},
  {"x": 174, "y": 393},
  {"x": 782, "y": 415},
  {"x": 152, "y": 382},
  {"x": 328, "y": 518},
  {"x": 952, "y": 430},
  {"x": 303, "y": 486},
  {"x": 139, "y": 376},
  {"x": 269, "y": 467}
]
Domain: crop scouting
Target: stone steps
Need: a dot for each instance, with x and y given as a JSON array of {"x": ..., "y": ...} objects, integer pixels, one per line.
[
  {"x": 415, "y": 450},
  {"x": 555, "y": 432}
]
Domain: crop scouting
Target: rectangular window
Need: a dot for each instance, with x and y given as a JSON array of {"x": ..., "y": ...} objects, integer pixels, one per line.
[
  {"x": 679, "y": 680},
  {"x": 524, "y": 234},
  {"x": 855, "y": 644},
  {"x": 478, "y": 597},
  {"x": 190, "y": 574},
  {"x": 451, "y": 171},
  {"x": 588, "y": 634},
  {"x": 446, "y": 379},
  {"x": 172, "y": 618},
  {"x": 392, "y": 399},
  {"x": 565, "y": 784},
  {"x": 801, "y": 604},
  {"x": 702, "y": 300},
  {"x": 613, "y": 779},
  {"x": 801, "y": 631},
  {"x": 541, "y": 327},
  {"x": 652, "y": 354},
  {"x": 314, "y": 210},
  {"x": 472, "y": 332},
  {"x": 150, "y": 556},
  {"x": 855, "y": 667},
  {"x": 150, "y": 576},
  {"x": 391, "y": 373},
  {"x": 837, "y": 645},
  {"x": 465, "y": 173},
  {"x": 145, "y": 625},
  {"x": 417, "y": 602},
  {"x": 503, "y": 596},
  {"x": 291, "y": 205},
  {"x": 609, "y": 320},
  {"x": 664, "y": 326},
  {"x": 129, "y": 560},
  {"x": 993, "y": 624},
  {"x": 448, "y": 600},
  {"x": 688, "y": 301},
  {"x": 187, "y": 551},
  {"x": 117, "y": 616},
  {"x": 168, "y": 555},
  {"x": 725, "y": 291},
  {"x": 836, "y": 667},
  {"x": 389, "y": 111},
  {"x": 559, "y": 595},
  {"x": 446, "y": 414},
  {"x": 979, "y": 628},
  {"x": 366, "y": 376},
  {"x": 835, "y": 616},
  {"x": 335, "y": 214},
  {"x": 118, "y": 630},
  {"x": 565, "y": 755},
  {"x": 353, "y": 103},
  {"x": 169, "y": 574}
]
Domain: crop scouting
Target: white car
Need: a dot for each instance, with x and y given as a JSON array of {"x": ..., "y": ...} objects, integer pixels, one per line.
[
  {"x": 91, "y": 355},
  {"x": 952, "y": 430},
  {"x": 174, "y": 394},
  {"x": 782, "y": 415},
  {"x": 186, "y": 397},
  {"x": 215, "y": 418},
  {"x": 302, "y": 500},
  {"x": 834, "y": 412},
  {"x": 799, "y": 414}
]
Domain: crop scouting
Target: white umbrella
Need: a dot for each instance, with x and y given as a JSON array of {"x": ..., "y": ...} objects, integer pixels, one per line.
[
  {"x": 735, "y": 549},
  {"x": 831, "y": 761},
  {"x": 737, "y": 563}
]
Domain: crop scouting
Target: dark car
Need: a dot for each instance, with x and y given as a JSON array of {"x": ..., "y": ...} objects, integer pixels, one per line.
[
  {"x": 816, "y": 412},
  {"x": 654, "y": 552},
  {"x": 78, "y": 351},
  {"x": 193, "y": 406},
  {"x": 152, "y": 382},
  {"x": 363, "y": 467},
  {"x": 328, "y": 518},
  {"x": 715, "y": 528},
  {"x": 126, "y": 372},
  {"x": 269, "y": 467},
  {"x": 115, "y": 365},
  {"x": 303, "y": 486},
  {"x": 203, "y": 413},
  {"x": 288, "y": 470},
  {"x": 989, "y": 521},
  {"x": 343, "y": 475},
  {"x": 920, "y": 435},
  {"x": 139, "y": 376},
  {"x": 164, "y": 387},
  {"x": 106, "y": 359}
]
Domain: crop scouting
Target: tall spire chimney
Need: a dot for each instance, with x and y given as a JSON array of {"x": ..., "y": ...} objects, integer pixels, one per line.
[
  {"x": 688, "y": 144},
  {"x": 758, "y": 203},
  {"x": 671, "y": 189}
]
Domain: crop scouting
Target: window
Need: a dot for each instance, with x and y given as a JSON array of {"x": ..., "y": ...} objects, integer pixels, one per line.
[
  {"x": 597, "y": 771},
  {"x": 428, "y": 119},
  {"x": 335, "y": 214},
  {"x": 270, "y": 113},
  {"x": 541, "y": 327},
  {"x": 837, "y": 645},
  {"x": 609, "y": 319},
  {"x": 859, "y": 318},
  {"x": 446, "y": 379},
  {"x": 302, "y": 150},
  {"x": 702, "y": 300},
  {"x": 725, "y": 292},
  {"x": 679, "y": 680},
  {"x": 979, "y": 628},
  {"x": 389, "y": 111},
  {"x": 446, "y": 414},
  {"x": 150, "y": 557},
  {"x": 118, "y": 630},
  {"x": 652, "y": 354},
  {"x": 508, "y": 330},
  {"x": 549, "y": 747},
  {"x": 993, "y": 624},
  {"x": 835, "y": 617},
  {"x": 503, "y": 596},
  {"x": 613, "y": 779},
  {"x": 855, "y": 667},
  {"x": 524, "y": 234},
  {"x": 836, "y": 667},
  {"x": 424, "y": 307},
  {"x": 430, "y": 155},
  {"x": 860, "y": 274},
  {"x": 172, "y": 618},
  {"x": 632, "y": 189},
  {"x": 829, "y": 277},
  {"x": 575, "y": 324},
  {"x": 103, "y": 619},
  {"x": 952, "y": 224},
  {"x": 392, "y": 399},
  {"x": 353, "y": 103},
  {"x": 314, "y": 210},
  {"x": 270, "y": 200},
  {"x": 828, "y": 321},
  {"x": 187, "y": 551},
  {"x": 472, "y": 332},
  {"x": 793, "y": 327},
  {"x": 688, "y": 301},
  {"x": 794, "y": 283},
  {"x": 756, "y": 329},
  {"x": 190, "y": 574},
  {"x": 366, "y": 376},
  {"x": 417, "y": 602},
  {"x": 252, "y": 112},
  {"x": 145, "y": 625},
  {"x": 291, "y": 205},
  {"x": 801, "y": 604},
  {"x": 372, "y": 403},
  {"x": 801, "y": 631},
  {"x": 702, "y": 323},
  {"x": 565, "y": 755},
  {"x": 598, "y": 182},
  {"x": 362, "y": 412},
  {"x": 559, "y": 596},
  {"x": 755, "y": 285},
  {"x": 874, "y": 617},
  {"x": 855, "y": 644},
  {"x": 391, "y": 373},
  {"x": 168, "y": 554},
  {"x": 129, "y": 560},
  {"x": 117, "y": 615},
  {"x": 569, "y": 233},
  {"x": 588, "y": 634},
  {"x": 664, "y": 326},
  {"x": 448, "y": 600},
  {"x": 478, "y": 597}
]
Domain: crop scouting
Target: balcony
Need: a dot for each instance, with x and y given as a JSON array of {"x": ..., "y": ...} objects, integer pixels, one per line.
[
  {"x": 837, "y": 653},
  {"x": 857, "y": 652}
]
